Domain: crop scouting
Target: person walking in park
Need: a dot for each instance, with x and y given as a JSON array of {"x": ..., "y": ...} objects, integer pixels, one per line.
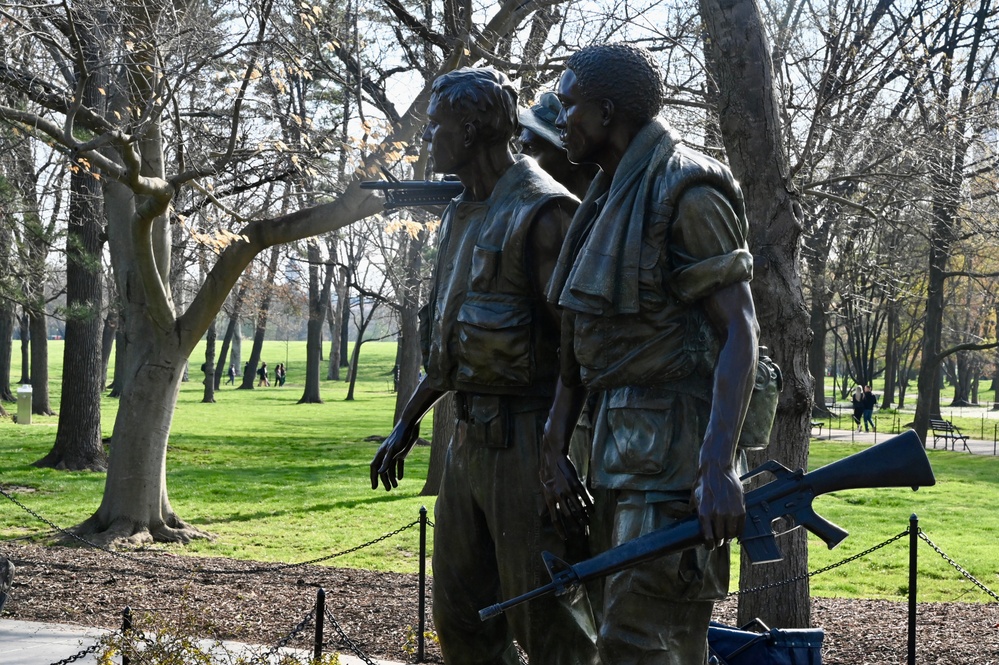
[
  {"x": 868, "y": 402},
  {"x": 231, "y": 380},
  {"x": 654, "y": 280},
  {"x": 263, "y": 380},
  {"x": 493, "y": 340},
  {"x": 857, "y": 401}
]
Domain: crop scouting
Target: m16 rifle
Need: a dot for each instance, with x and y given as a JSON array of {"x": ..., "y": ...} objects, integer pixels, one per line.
[
  {"x": 898, "y": 462},
  {"x": 415, "y": 193}
]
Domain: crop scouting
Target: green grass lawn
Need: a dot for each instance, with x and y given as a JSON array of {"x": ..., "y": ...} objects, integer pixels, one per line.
[{"x": 273, "y": 480}]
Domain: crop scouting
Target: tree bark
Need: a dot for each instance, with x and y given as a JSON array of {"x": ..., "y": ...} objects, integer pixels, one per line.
[
  {"x": 209, "y": 364},
  {"x": 319, "y": 297},
  {"x": 336, "y": 319},
  {"x": 25, "y": 330},
  {"x": 38, "y": 323},
  {"x": 6, "y": 349},
  {"x": 135, "y": 506},
  {"x": 410, "y": 358},
  {"x": 231, "y": 330},
  {"x": 739, "y": 60},
  {"x": 78, "y": 443}
]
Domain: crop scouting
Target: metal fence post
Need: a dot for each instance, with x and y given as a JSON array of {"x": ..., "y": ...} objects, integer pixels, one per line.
[
  {"x": 126, "y": 626},
  {"x": 317, "y": 651},
  {"x": 420, "y": 641},
  {"x": 913, "y": 546}
]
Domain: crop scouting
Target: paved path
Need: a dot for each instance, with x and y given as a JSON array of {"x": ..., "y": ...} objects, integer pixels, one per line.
[
  {"x": 976, "y": 446},
  {"x": 32, "y": 643}
]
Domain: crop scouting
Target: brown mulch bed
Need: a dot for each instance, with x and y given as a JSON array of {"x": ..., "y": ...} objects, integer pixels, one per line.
[{"x": 376, "y": 610}]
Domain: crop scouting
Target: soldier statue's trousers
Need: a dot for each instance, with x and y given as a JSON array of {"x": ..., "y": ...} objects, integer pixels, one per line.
[
  {"x": 489, "y": 533},
  {"x": 657, "y": 613}
]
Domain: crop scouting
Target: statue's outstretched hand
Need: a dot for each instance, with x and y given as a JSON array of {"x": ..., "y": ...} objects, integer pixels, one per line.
[
  {"x": 390, "y": 460},
  {"x": 569, "y": 503}
]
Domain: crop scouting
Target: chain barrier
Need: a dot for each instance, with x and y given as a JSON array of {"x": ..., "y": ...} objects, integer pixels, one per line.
[
  {"x": 957, "y": 566},
  {"x": 77, "y": 656},
  {"x": 205, "y": 571},
  {"x": 283, "y": 642},
  {"x": 351, "y": 644},
  {"x": 813, "y": 573}
]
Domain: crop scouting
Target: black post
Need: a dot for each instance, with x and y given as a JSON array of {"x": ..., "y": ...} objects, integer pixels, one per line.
[
  {"x": 423, "y": 585},
  {"x": 913, "y": 545},
  {"x": 317, "y": 652},
  {"x": 126, "y": 626}
]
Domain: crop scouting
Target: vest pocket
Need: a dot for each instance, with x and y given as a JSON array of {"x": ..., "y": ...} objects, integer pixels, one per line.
[
  {"x": 641, "y": 439},
  {"x": 494, "y": 341}
]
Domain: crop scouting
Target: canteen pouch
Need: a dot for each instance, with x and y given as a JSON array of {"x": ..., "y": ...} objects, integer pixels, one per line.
[{"x": 762, "y": 404}]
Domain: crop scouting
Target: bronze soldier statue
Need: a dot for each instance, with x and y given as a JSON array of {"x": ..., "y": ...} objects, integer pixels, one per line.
[
  {"x": 539, "y": 138},
  {"x": 493, "y": 340},
  {"x": 660, "y": 326}
]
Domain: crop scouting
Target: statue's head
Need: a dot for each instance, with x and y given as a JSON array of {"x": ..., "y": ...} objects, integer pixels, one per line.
[
  {"x": 626, "y": 75},
  {"x": 470, "y": 109},
  {"x": 480, "y": 96},
  {"x": 608, "y": 92}
]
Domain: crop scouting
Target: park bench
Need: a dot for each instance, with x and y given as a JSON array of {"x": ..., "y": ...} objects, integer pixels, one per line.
[
  {"x": 818, "y": 425},
  {"x": 946, "y": 430}
]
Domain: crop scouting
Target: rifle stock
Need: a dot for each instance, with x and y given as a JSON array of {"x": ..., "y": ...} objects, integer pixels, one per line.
[{"x": 898, "y": 462}]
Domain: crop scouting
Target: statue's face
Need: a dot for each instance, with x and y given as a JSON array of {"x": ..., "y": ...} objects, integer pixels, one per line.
[
  {"x": 581, "y": 122},
  {"x": 446, "y": 134},
  {"x": 549, "y": 157}
]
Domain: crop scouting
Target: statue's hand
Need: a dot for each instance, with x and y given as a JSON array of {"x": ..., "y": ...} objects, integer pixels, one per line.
[
  {"x": 721, "y": 509},
  {"x": 569, "y": 503},
  {"x": 390, "y": 460}
]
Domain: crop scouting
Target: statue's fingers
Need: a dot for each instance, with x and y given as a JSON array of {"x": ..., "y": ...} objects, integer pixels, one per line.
[{"x": 400, "y": 468}]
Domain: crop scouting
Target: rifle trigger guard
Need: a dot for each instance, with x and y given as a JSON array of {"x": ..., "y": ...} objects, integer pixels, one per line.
[{"x": 563, "y": 576}]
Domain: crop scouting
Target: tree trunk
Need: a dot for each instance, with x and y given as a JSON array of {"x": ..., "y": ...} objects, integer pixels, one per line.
[
  {"x": 40, "y": 404},
  {"x": 354, "y": 358},
  {"x": 230, "y": 335},
  {"x": 6, "y": 349},
  {"x": 891, "y": 357},
  {"x": 135, "y": 506},
  {"x": 817, "y": 353},
  {"x": 25, "y": 327},
  {"x": 78, "y": 442},
  {"x": 410, "y": 357},
  {"x": 443, "y": 432},
  {"x": 739, "y": 60},
  {"x": 209, "y": 365},
  {"x": 250, "y": 371},
  {"x": 345, "y": 332},
  {"x": 237, "y": 348},
  {"x": 928, "y": 379},
  {"x": 319, "y": 297},
  {"x": 336, "y": 319}
]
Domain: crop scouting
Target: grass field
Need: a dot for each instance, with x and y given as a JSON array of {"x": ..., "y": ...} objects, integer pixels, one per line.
[{"x": 276, "y": 481}]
